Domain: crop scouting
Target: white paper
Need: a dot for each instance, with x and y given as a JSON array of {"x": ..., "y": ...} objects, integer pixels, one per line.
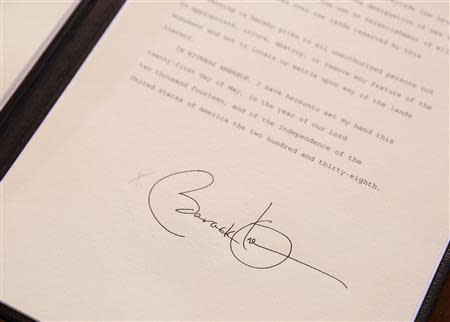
[
  {"x": 27, "y": 28},
  {"x": 327, "y": 121}
]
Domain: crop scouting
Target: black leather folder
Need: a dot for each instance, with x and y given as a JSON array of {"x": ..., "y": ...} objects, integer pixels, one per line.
[{"x": 34, "y": 98}]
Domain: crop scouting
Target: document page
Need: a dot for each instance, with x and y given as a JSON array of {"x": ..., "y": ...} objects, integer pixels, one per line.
[{"x": 239, "y": 161}]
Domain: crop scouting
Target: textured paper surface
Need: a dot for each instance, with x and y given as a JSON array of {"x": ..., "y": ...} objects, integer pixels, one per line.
[{"x": 90, "y": 227}]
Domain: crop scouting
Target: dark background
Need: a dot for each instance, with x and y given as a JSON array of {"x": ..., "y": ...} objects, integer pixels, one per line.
[{"x": 441, "y": 312}]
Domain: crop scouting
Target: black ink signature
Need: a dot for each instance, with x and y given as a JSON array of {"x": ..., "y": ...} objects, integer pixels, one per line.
[{"x": 251, "y": 244}]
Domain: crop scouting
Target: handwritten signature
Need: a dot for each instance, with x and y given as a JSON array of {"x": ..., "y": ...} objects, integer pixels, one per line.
[{"x": 257, "y": 244}]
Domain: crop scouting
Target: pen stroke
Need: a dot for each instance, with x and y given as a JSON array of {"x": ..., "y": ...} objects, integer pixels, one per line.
[{"x": 256, "y": 244}]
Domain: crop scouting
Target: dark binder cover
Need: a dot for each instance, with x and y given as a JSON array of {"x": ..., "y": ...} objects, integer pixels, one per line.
[{"x": 33, "y": 99}]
